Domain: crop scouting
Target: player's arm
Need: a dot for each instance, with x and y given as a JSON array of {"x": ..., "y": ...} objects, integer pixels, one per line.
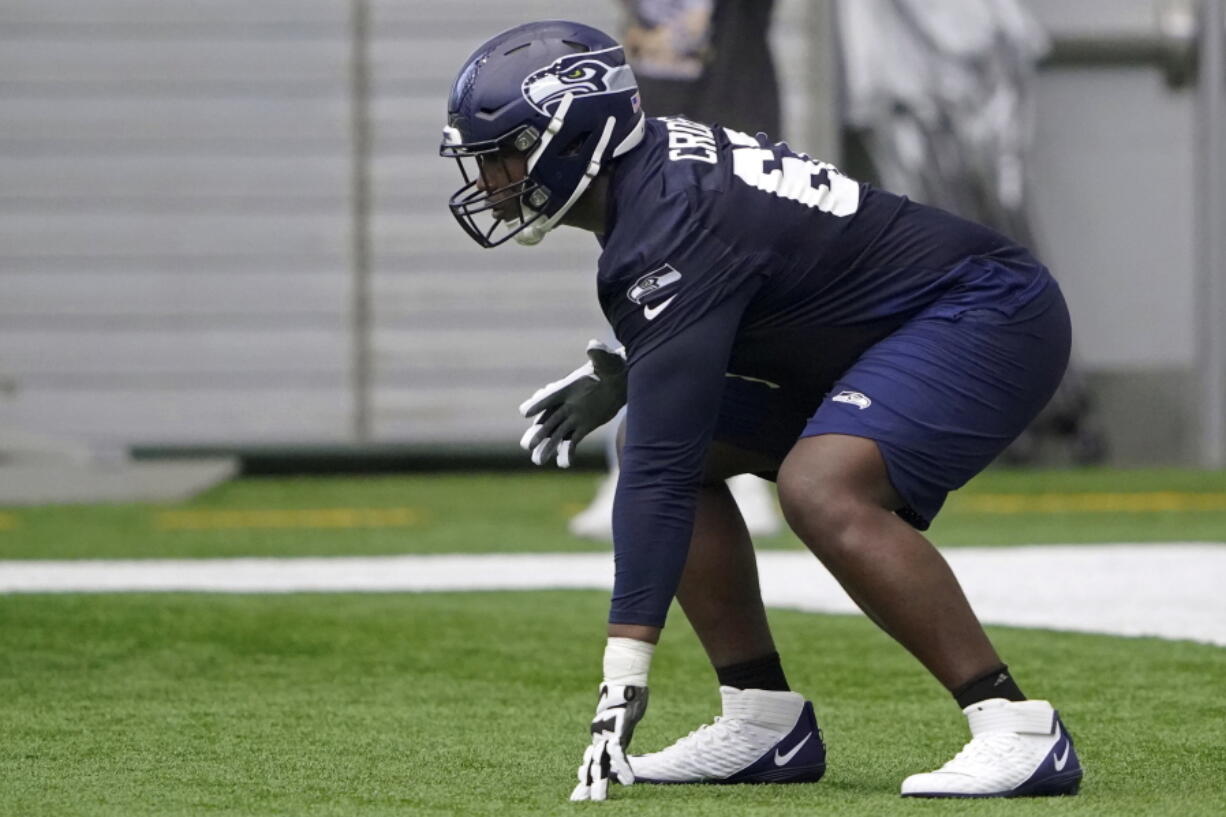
[{"x": 674, "y": 394}]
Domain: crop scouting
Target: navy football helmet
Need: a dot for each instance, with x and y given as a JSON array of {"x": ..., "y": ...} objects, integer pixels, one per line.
[{"x": 558, "y": 94}]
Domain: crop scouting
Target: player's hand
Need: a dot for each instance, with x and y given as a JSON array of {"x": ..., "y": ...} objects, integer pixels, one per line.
[
  {"x": 567, "y": 410},
  {"x": 618, "y": 711}
]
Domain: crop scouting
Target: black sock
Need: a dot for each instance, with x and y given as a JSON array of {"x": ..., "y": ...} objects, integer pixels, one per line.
[
  {"x": 760, "y": 673},
  {"x": 995, "y": 684}
]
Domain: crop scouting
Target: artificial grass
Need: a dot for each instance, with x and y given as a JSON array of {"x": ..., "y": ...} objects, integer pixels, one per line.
[
  {"x": 477, "y": 704},
  {"x": 527, "y": 512},
  {"x": 451, "y": 513},
  {"x": 962, "y": 523}
]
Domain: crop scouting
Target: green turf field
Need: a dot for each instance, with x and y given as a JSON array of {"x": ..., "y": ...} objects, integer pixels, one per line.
[
  {"x": 472, "y": 704},
  {"x": 521, "y": 512}
]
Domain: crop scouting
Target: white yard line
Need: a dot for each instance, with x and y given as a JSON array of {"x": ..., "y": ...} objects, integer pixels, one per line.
[{"x": 1168, "y": 590}]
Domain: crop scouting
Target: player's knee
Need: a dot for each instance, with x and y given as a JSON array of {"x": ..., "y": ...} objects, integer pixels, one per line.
[{"x": 820, "y": 510}]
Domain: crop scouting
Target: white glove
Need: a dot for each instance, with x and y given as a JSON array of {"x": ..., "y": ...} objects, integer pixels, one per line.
[
  {"x": 567, "y": 410},
  {"x": 618, "y": 711}
]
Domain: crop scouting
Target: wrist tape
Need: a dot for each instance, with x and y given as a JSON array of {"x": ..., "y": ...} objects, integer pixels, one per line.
[{"x": 626, "y": 661}]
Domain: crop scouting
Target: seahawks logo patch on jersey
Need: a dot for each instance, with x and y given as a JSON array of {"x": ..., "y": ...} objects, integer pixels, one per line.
[
  {"x": 653, "y": 282},
  {"x": 854, "y": 398},
  {"x": 583, "y": 74}
]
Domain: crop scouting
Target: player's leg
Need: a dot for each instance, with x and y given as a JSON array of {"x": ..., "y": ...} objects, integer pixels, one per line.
[
  {"x": 837, "y": 497},
  {"x": 766, "y": 732},
  {"x": 719, "y": 590},
  {"x": 919, "y": 414}
]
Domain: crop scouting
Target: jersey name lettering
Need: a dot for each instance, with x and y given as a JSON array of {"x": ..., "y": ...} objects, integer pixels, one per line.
[
  {"x": 793, "y": 176},
  {"x": 690, "y": 140}
]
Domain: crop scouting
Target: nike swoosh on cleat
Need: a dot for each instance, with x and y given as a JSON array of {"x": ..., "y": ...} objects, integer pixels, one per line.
[
  {"x": 1061, "y": 760},
  {"x": 781, "y": 760},
  {"x": 650, "y": 312}
]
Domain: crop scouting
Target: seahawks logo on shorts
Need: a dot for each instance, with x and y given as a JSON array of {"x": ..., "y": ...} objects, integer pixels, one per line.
[
  {"x": 583, "y": 74},
  {"x": 855, "y": 398},
  {"x": 653, "y": 282}
]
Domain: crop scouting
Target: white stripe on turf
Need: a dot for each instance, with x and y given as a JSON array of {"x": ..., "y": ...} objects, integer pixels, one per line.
[{"x": 1166, "y": 590}]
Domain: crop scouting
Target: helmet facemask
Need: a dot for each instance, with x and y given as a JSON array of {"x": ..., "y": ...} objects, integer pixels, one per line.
[{"x": 475, "y": 205}]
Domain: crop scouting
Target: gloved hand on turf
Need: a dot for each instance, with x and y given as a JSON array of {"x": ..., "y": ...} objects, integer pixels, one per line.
[
  {"x": 618, "y": 711},
  {"x": 567, "y": 410}
]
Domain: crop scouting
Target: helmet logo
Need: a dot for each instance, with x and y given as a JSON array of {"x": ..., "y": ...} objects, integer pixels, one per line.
[{"x": 585, "y": 74}]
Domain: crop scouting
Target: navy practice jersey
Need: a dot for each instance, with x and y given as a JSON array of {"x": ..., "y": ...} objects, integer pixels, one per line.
[{"x": 726, "y": 254}]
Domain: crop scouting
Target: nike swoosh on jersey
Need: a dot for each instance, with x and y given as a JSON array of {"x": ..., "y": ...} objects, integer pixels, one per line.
[
  {"x": 650, "y": 312},
  {"x": 781, "y": 760}
]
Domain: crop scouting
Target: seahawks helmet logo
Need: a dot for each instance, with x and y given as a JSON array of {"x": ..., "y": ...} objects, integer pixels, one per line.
[{"x": 582, "y": 74}]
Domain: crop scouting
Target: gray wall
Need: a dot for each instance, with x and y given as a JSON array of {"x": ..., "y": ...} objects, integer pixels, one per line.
[
  {"x": 1114, "y": 183},
  {"x": 461, "y": 335},
  {"x": 178, "y": 231},
  {"x": 174, "y": 248}
]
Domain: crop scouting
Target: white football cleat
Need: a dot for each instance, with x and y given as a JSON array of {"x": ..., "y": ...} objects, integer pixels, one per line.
[
  {"x": 762, "y": 737},
  {"x": 1017, "y": 749}
]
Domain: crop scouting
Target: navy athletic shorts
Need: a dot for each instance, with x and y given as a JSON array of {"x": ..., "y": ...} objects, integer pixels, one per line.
[{"x": 942, "y": 396}]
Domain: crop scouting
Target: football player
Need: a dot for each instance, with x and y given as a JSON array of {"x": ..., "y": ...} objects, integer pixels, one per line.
[{"x": 867, "y": 353}]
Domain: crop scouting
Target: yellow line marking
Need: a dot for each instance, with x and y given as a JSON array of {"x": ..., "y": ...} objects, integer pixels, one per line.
[
  {"x": 8, "y": 521},
  {"x": 1149, "y": 502},
  {"x": 303, "y": 518}
]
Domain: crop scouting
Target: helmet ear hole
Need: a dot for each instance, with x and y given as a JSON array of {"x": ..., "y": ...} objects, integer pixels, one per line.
[{"x": 574, "y": 147}]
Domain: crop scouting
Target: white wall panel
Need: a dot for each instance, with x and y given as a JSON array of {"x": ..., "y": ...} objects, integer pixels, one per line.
[
  {"x": 180, "y": 414},
  {"x": 1114, "y": 193},
  {"x": 65, "y": 181},
  {"x": 1096, "y": 17},
  {"x": 184, "y": 65},
  {"x": 157, "y": 126},
  {"x": 459, "y": 413},
  {"x": 159, "y": 352},
  {"x": 453, "y": 321},
  {"x": 1113, "y": 204},
  {"x": 127, "y": 295},
  {"x": 175, "y": 219},
  {"x": 179, "y": 233},
  {"x": 132, "y": 14}
]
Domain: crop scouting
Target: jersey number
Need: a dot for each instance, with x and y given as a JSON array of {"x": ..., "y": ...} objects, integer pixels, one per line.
[{"x": 777, "y": 170}]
